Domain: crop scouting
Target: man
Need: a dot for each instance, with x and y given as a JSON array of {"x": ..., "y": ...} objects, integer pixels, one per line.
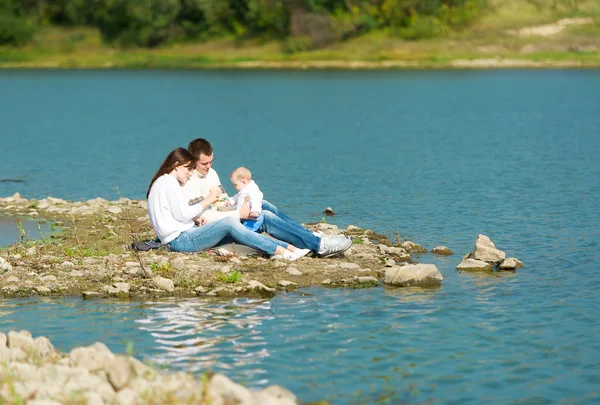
[{"x": 275, "y": 223}]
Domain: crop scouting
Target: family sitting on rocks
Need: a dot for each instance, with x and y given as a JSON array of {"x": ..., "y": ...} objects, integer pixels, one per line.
[{"x": 183, "y": 199}]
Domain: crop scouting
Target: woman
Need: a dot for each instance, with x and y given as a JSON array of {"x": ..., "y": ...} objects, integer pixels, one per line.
[{"x": 172, "y": 218}]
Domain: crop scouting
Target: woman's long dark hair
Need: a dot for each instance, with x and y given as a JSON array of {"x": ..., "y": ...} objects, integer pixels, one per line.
[{"x": 177, "y": 157}]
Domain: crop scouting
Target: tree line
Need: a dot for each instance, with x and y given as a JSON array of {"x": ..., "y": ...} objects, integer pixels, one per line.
[{"x": 301, "y": 24}]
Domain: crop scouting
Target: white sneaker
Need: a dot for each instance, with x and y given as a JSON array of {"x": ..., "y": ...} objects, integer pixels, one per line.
[
  {"x": 287, "y": 255},
  {"x": 333, "y": 245},
  {"x": 300, "y": 253}
]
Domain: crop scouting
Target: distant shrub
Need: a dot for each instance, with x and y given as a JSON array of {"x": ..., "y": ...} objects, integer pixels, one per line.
[
  {"x": 297, "y": 44},
  {"x": 422, "y": 27},
  {"x": 16, "y": 31}
]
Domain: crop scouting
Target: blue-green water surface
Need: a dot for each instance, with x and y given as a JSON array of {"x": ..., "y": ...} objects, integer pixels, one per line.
[{"x": 437, "y": 156}]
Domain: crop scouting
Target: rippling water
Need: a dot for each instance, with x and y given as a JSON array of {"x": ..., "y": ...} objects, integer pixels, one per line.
[{"x": 438, "y": 156}]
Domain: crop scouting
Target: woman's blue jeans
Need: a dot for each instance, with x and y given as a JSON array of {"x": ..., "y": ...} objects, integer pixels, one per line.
[
  {"x": 204, "y": 237},
  {"x": 280, "y": 226}
]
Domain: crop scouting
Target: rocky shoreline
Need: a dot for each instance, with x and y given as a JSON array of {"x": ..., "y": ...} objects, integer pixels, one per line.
[
  {"x": 89, "y": 258},
  {"x": 32, "y": 372}
]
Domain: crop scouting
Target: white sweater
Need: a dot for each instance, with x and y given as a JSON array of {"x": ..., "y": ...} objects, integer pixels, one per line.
[{"x": 170, "y": 215}]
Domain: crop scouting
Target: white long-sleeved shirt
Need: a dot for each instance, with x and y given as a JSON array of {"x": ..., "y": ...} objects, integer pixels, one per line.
[
  {"x": 169, "y": 212},
  {"x": 254, "y": 195}
]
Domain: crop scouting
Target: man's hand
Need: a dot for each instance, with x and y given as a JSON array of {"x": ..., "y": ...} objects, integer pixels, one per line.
[
  {"x": 213, "y": 196},
  {"x": 254, "y": 214},
  {"x": 245, "y": 210}
]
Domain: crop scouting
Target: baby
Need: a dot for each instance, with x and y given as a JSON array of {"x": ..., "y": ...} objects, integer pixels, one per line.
[{"x": 247, "y": 189}]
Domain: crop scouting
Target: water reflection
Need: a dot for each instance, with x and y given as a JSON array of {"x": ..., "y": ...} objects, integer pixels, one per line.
[
  {"x": 31, "y": 229},
  {"x": 198, "y": 334}
]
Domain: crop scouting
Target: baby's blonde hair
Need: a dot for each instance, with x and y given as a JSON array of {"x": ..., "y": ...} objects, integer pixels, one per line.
[{"x": 241, "y": 173}]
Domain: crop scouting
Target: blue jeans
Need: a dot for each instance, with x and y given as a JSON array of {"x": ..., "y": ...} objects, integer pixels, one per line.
[
  {"x": 282, "y": 227},
  {"x": 204, "y": 237}
]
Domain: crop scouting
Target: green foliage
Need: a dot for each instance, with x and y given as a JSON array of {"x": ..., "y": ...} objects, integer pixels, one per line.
[
  {"x": 230, "y": 278},
  {"x": 16, "y": 31},
  {"x": 163, "y": 268},
  {"x": 150, "y": 23},
  {"x": 84, "y": 252},
  {"x": 422, "y": 27},
  {"x": 297, "y": 44},
  {"x": 145, "y": 23}
]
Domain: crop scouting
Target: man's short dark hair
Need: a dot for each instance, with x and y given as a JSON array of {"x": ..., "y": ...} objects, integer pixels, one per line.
[{"x": 199, "y": 147}]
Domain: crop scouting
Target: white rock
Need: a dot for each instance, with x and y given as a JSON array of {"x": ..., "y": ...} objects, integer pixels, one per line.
[
  {"x": 43, "y": 346},
  {"x": 97, "y": 201},
  {"x": 143, "y": 204},
  {"x": 349, "y": 266},
  {"x": 12, "y": 279},
  {"x": 474, "y": 265},
  {"x": 367, "y": 279},
  {"x": 200, "y": 290},
  {"x": 114, "y": 210},
  {"x": 43, "y": 290},
  {"x": 413, "y": 247},
  {"x": 163, "y": 283},
  {"x": 43, "y": 402},
  {"x": 48, "y": 279},
  {"x": 119, "y": 372},
  {"x": 510, "y": 263},
  {"x": 390, "y": 262},
  {"x": 132, "y": 264},
  {"x": 20, "y": 340},
  {"x": 285, "y": 283},
  {"x": 486, "y": 251},
  {"x": 412, "y": 275},
  {"x": 4, "y": 265},
  {"x": 67, "y": 265},
  {"x": 2, "y": 340},
  {"x": 30, "y": 251},
  {"x": 254, "y": 285},
  {"x": 43, "y": 204},
  {"x": 293, "y": 271},
  {"x": 223, "y": 391},
  {"x": 127, "y": 397},
  {"x": 442, "y": 250},
  {"x": 92, "y": 358}
]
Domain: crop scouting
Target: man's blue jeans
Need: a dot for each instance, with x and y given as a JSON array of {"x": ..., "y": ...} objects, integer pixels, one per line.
[
  {"x": 204, "y": 237},
  {"x": 280, "y": 226}
]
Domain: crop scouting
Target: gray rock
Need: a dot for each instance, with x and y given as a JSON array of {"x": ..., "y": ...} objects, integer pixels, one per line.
[
  {"x": 200, "y": 290},
  {"x": 163, "y": 283},
  {"x": 390, "y": 262},
  {"x": 442, "y": 250},
  {"x": 76, "y": 273},
  {"x": 474, "y": 265},
  {"x": 4, "y": 266},
  {"x": 48, "y": 279},
  {"x": 413, "y": 275},
  {"x": 12, "y": 279},
  {"x": 349, "y": 266},
  {"x": 43, "y": 204},
  {"x": 43, "y": 290},
  {"x": 293, "y": 271},
  {"x": 352, "y": 228},
  {"x": 486, "y": 251},
  {"x": 67, "y": 265},
  {"x": 412, "y": 247}
]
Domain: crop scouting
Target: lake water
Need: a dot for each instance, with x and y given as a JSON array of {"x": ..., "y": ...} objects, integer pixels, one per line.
[{"x": 436, "y": 156}]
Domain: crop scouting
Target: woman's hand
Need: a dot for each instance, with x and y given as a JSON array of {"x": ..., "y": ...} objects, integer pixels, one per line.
[{"x": 199, "y": 221}]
